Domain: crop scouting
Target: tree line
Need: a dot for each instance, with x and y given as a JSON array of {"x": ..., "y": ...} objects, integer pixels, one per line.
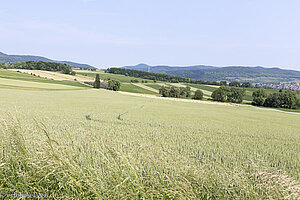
[
  {"x": 179, "y": 92},
  {"x": 156, "y": 76},
  {"x": 228, "y": 94},
  {"x": 41, "y": 65},
  {"x": 282, "y": 99},
  {"x": 172, "y": 79},
  {"x": 145, "y": 75},
  {"x": 137, "y": 81},
  {"x": 222, "y": 94}
]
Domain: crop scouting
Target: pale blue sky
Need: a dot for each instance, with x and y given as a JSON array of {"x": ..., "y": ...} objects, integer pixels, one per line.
[{"x": 107, "y": 33}]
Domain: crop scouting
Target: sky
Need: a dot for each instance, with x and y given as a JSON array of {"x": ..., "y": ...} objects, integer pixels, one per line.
[{"x": 106, "y": 33}]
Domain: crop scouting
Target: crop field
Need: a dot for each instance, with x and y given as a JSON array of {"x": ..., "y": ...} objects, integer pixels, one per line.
[
  {"x": 7, "y": 74},
  {"x": 54, "y": 75},
  {"x": 129, "y": 87},
  {"x": 153, "y": 85},
  {"x": 209, "y": 88},
  {"x": 146, "y": 87},
  {"x": 99, "y": 144},
  {"x": 34, "y": 85}
]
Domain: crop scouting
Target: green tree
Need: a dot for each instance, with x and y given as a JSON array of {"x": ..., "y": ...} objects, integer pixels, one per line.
[
  {"x": 185, "y": 91},
  {"x": 229, "y": 94},
  {"x": 164, "y": 91},
  {"x": 170, "y": 91},
  {"x": 259, "y": 97},
  {"x": 284, "y": 99},
  {"x": 198, "y": 95},
  {"x": 188, "y": 91},
  {"x": 97, "y": 81},
  {"x": 175, "y": 92},
  {"x": 235, "y": 84},
  {"x": 288, "y": 100},
  {"x": 66, "y": 69},
  {"x": 114, "y": 85},
  {"x": 298, "y": 102},
  {"x": 223, "y": 83},
  {"x": 236, "y": 95},
  {"x": 273, "y": 100},
  {"x": 246, "y": 85},
  {"x": 219, "y": 94}
]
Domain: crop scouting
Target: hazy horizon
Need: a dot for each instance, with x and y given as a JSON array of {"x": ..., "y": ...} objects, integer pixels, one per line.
[{"x": 175, "y": 33}]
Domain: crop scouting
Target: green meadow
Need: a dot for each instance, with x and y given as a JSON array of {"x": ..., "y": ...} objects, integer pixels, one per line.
[{"x": 98, "y": 144}]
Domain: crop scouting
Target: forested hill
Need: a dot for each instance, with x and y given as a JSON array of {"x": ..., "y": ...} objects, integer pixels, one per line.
[
  {"x": 4, "y": 58},
  {"x": 232, "y": 73},
  {"x": 164, "y": 68}
]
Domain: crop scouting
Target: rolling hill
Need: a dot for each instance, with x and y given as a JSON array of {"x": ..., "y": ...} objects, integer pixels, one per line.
[
  {"x": 84, "y": 143},
  {"x": 231, "y": 73},
  {"x": 164, "y": 68},
  {"x": 4, "y": 58}
]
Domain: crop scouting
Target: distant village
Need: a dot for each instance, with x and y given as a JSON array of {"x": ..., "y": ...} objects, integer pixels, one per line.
[{"x": 284, "y": 86}]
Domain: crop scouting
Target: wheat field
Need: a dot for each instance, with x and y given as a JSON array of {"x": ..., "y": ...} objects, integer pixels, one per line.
[{"x": 98, "y": 144}]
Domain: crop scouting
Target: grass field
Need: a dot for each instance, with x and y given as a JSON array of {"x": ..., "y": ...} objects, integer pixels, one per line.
[
  {"x": 156, "y": 150},
  {"x": 129, "y": 87},
  {"x": 153, "y": 85},
  {"x": 156, "y": 91}
]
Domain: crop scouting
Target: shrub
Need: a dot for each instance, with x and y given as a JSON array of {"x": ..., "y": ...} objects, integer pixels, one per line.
[
  {"x": 134, "y": 80},
  {"x": 259, "y": 97},
  {"x": 235, "y": 84},
  {"x": 185, "y": 91},
  {"x": 114, "y": 85},
  {"x": 198, "y": 95},
  {"x": 286, "y": 99},
  {"x": 175, "y": 92},
  {"x": 228, "y": 94}
]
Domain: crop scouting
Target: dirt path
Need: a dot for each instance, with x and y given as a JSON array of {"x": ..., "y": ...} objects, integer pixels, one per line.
[{"x": 272, "y": 109}]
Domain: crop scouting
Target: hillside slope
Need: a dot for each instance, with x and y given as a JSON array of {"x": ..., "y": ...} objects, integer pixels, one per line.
[
  {"x": 232, "y": 73},
  {"x": 164, "y": 68},
  {"x": 4, "y": 58}
]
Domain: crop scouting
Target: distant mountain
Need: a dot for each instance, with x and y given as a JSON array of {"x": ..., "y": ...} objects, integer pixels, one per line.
[
  {"x": 4, "y": 58},
  {"x": 164, "y": 69},
  {"x": 231, "y": 73}
]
